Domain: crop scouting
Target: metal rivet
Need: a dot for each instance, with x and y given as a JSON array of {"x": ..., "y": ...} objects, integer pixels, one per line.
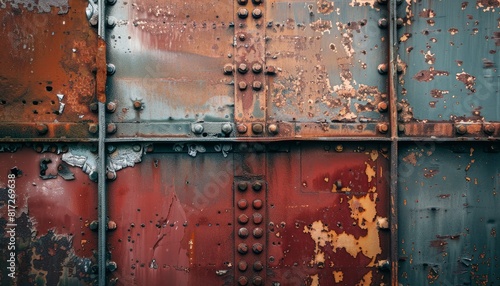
[
  {"x": 338, "y": 184},
  {"x": 94, "y": 225},
  {"x": 257, "y": 85},
  {"x": 110, "y": 69},
  {"x": 111, "y": 128},
  {"x": 111, "y": 225},
  {"x": 242, "y": 280},
  {"x": 111, "y": 266},
  {"x": 339, "y": 148},
  {"x": 257, "y": 204},
  {"x": 256, "y": 2},
  {"x": 110, "y": 148},
  {"x": 111, "y": 175},
  {"x": 137, "y": 104},
  {"x": 242, "y": 248},
  {"x": 382, "y": 68},
  {"x": 242, "y": 186},
  {"x": 149, "y": 148},
  {"x": 94, "y": 107},
  {"x": 258, "y": 232},
  {"x": 270, "y": 70},
  {"x": 257, "y": 128},
  {"x": 384, "y": 265},
  {"x": 226, "y": 128},
  {"x": 400, "y": 22},
  {"x": 242, "y": 2},
  {"x": 93, "y": 128},
  {"x": 461, "y": 129},
  {"x": 242, "y": 204},
  {"x": 111, "y": 2},
  {"x": 401, "y": 127},
  {"x": 273, "y": 129},
  {"x": 489, "y": 129},
  {"x": 257, "y": 266},
  {"x": 243, "y": 232},
  {"x": 242, "y": 128},
  {"x": 257, "y": 248},
  {"x": 257, "y": 280},
  {"x": 383, "y": 127},
  {"x": 257, "y": 218},
  {"x": 136, "y": 148},
  {"x": 242, "y": 68},
  {"x": 242, "y": 37},
  {"x": 257, "y": 186},
  {"x": 256, "y": 68},
  {"x": 228, "y": 69},
  {"x": 242, "y": 85},
  {"x": 242, "y": 265},
  {"x": 382, "y": 106},
  {"x": 382, "y": 23},
  {"x": 111, "y": 107},
  {"x": 42, "y": 129},
  {"x": 110, "y": 22},
  {"x": 197, "y": 128},
  {"x": 242, "y": 13},
  {"x": 257, "y": 13},
  {"x": 243, "y": 219}
]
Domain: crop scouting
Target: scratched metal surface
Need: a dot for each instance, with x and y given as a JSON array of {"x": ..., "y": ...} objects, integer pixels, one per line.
[
  {"x": 48, "y": 64},
  {"x": 450, "y": 49},
  {"x": 54, "y": 243},
  {"x": 327, "y": 54},
  {"x": 183, "y": 225},
  {"x": 169, "y": 58},
  {"x": 448, "y": 214}
]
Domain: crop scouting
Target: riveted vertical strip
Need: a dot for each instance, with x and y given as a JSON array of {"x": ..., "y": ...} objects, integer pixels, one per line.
[{"x": 249, "y": 79}]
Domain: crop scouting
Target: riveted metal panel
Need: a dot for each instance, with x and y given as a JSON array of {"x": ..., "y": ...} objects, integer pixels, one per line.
[
  {"x": 54, "y": 206},
  {"x": 448, "y": 55},
  {"x": 448, "y": 214},
  {"x": 48, "y": 70},
  {"x": 169, "y": 60},
  {"x": 326, "y": 55}
]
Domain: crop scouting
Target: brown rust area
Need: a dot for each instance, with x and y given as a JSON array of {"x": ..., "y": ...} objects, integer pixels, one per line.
[
  {"x": 101, "y": 70},
  {"x": 468, "y": 80},
  {"x": 428, "y": 75},
  {"x": 325, "y": 7},
  {"x": 50, "y": 54}
]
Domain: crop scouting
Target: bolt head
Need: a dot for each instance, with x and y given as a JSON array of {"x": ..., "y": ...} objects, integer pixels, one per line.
[
  {"x": 242, "y": 265},
  {"x": 94, "y": 225},
  {"x": 382, "y": 68},
  {"x": 256, "y": 68},
  {"x": 137, "y": 104},
  {"x": 383, "y": 128},
  {"x": 257, "y": 204},
  {"x": 94, "y": 107},
  {"x": 257, "y": 2},
  {"x": 242, "y": 85},
  {"x": 257, "y": 85},
  {"x": 256, "y": 13},
  {"x": 93, "y": 128},
  {"x": 242, "y": 204},
  {"x": 257, "y": 280},
  {"x": 242, "y": 186},
  {"x": 111, "y": 128},
  {"x": 242, "y": 2},
  {"x": 242, "y": 280},
  {"x": 111, "y": 107},
  {"x": 257, "y": 248},
  {"x": 111, "y": 266},
  {"x": 243, "y": 68},
  {"x": 257, "y": 218},
  {"x": 136, "y": 148},
  {"x": 270, "y": 70},
  {"x": 242, "y": 248},
  {"x": 242, "y": 128},
  {"x": 42, "y": 129},
  {"x": 228, "y": 69},
  {"x": 111, "y": 2},
  {"x": 243, "y": 219},
  {"x": 243, "y": 232},
  {"x": 401, "y": 127},
  {"x": 242, "y": 37},
  {"x": 382, "y": 106},
  {"x": 110, "y": 69},
  {"x": 399, "y": 22},
  {"x": 489, "y": 129},
  {"x": 273, "y": 128},
  {"x": 257, "y": 186},
  {"x": 111, "y": 175},
  {"x": 226, "y": 128},
  {"x": 257, "y": 128},
  {"x": 382, "y": 23},
  {"x": 461, "y": 129},
  {"x": 111, "y": 225},
  {"x": 242, "y": 13},
  {"x": 339, "y": 148},
  {"x": 257, "y": 266},
  {"x": 258, "y": 232},
  {"x": 197, "y": 128},
  {"x": 111, "y": 148}
]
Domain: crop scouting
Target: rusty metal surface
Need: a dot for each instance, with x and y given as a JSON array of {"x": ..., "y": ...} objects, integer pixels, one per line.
[
  {"x": 54, "y": 245},
  {"x": 48, "y": 67},
  {"x": 448, "y": 214},
  {"x": 207, "y": 218},
  {"x": 448, "y": 53},
  {"x": 169, "y": 60}
]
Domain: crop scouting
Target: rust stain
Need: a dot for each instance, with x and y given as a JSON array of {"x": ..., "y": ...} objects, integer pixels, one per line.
[
  {"x": 429, "y": 58},
  {"x": 438, "y": 93},
  {"x": 101, "y": 70},
  {"x": 321, "y": 26},
  {"x": 487, "y": 5},
  {"x": 366, "y": 280},
  {"x": 427, "y": 13},
  {"x": 428, "y": 75},
  {"x": 468, "y": 80},
  {"x": 411, "y": 158},
  {"x": 429, "y": 173},
  {"x": 325, "y": 7}
]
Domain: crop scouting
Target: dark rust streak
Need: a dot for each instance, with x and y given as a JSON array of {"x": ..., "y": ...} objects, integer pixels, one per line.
[{"x": 101, "y": 70}]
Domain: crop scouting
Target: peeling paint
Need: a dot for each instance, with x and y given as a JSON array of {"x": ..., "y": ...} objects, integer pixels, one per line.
[
  {"x": 41, "y": 6},
  {"x": 325, "y": 7},
  {"x": 338, "y": 276},
  {"x": 370, "y": 172},
  {"x": 123, "y": 157},
  {"x": 367, "y": 280},
  {"x": 468, "y": 80}
]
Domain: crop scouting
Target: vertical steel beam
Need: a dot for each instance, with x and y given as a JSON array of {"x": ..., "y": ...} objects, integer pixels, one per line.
[
  {"x": 394, "y": 140},
  {"x": 101, "y": 169}
]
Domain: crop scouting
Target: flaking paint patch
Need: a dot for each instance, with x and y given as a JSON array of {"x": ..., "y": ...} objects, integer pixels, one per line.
[
  {"x": 366, "y": 280},
  {"x": 355, "y": 3},
  {"x": 325, "y": 7},
  {"x": 374, "y": 155},
  {"x": 315, "y": 280},
  {"x": 338, "y": 276},
  {"x": 363, "y": 210},
  {"x": 370, "y": 172}
]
